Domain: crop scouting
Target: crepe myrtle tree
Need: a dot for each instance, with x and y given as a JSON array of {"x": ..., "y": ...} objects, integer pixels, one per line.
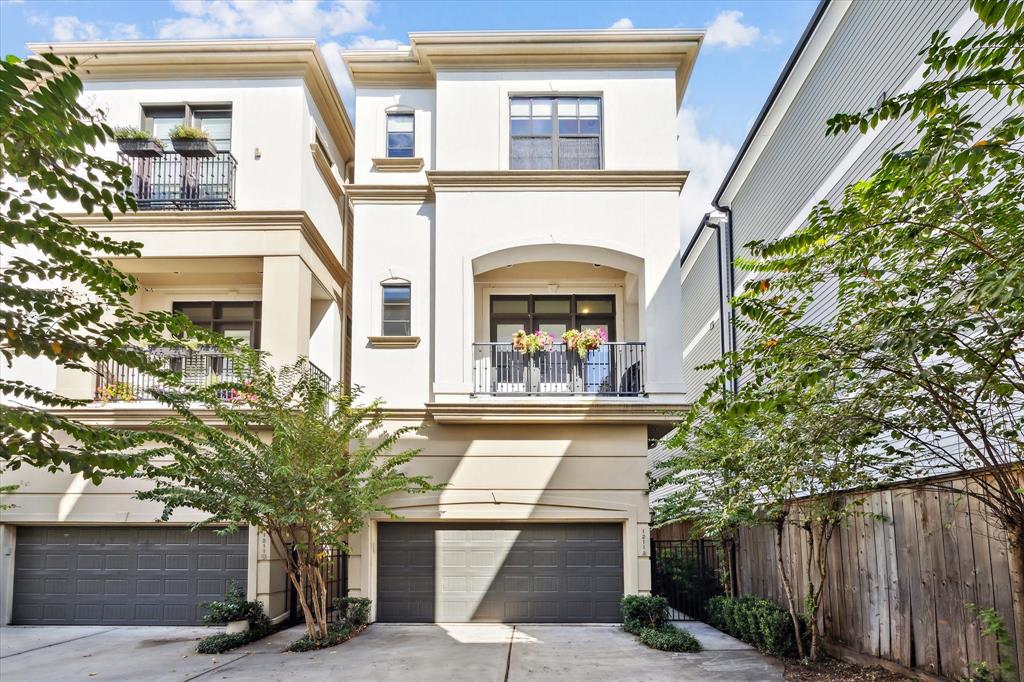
[
  {"x": 293, "y": 456},
  {"x": 748, "y": 459},
  {"x": 60, "y": 297},
  {"x": 926, "y": 259}
]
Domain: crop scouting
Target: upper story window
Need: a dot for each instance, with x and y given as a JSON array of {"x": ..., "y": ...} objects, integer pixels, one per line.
[
  {"x": 396, "y": 309},
  {"x": 555, "y": 132},
  {"x": 214, "y": 119},
  {"x": 401, "y": 130},
  {"x": 234, "y": 319}
]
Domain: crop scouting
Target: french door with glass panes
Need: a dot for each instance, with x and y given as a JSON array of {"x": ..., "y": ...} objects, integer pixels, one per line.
[{"x": 560, "y": 371}]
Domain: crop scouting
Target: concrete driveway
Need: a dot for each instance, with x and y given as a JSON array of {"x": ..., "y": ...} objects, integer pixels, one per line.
[{"x": 449, "y": 653}]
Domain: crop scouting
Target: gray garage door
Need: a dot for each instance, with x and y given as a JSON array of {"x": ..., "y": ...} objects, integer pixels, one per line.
[
  {"x": 509, "y": 573},
  {"x": 123, "y": 575}
]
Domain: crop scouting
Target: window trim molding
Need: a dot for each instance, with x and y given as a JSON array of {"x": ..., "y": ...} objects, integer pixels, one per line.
[{"x": 554, "y": 96}]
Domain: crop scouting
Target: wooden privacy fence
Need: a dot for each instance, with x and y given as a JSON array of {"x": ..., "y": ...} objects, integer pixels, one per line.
[{"x": 900, "y": 578}]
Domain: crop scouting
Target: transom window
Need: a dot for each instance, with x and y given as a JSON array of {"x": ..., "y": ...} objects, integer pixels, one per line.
[
  {"x": 552, "y": 314},
  {"x": 401, "y": 134},
  {"x": 396, "y": 309},
  {"x": 555, "y": 132}
]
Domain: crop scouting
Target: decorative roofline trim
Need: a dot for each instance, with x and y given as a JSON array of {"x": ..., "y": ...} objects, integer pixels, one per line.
[
  {"x": 554, "y": 180},
  {"x": 199, "y": 221},
  {"x": 525, "y": 411},
  {"x": 417, "y": 65},
  {"x": 390, "y": 194}
]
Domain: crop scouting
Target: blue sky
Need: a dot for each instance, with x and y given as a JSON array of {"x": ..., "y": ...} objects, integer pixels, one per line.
[{"x": 746, "y": 45}]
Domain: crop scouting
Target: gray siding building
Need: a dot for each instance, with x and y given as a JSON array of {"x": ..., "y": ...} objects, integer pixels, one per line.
[{"x": 852, "y": 53}]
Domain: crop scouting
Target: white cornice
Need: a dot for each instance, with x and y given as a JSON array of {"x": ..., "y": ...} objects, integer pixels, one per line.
[
  {"x": 390, "y": 194},
  {"x": 624, "y": 411},
  {"x": 418, "y": 64},
  {"x": 551, "y": 180},
  {"x": 196, "y": 222}
]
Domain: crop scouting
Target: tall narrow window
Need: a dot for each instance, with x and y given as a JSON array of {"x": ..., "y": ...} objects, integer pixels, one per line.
[
  {"x": 401, "y": 134},
  {"x": 396, "y": 314},
  {"x": 555, "y": 132}
]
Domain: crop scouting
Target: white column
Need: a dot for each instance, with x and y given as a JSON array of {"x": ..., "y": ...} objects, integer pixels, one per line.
[
  {"x": 8, "y": 544},
  {"x": 287, "y": 288}
]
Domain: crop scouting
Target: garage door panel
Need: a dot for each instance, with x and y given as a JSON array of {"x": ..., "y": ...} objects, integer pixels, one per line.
[
  {"x": 500, "y": 572},
  {"x": 127, "y": 575}
]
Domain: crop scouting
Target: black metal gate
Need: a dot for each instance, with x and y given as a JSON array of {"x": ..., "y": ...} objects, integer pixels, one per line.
[
  {"x": 335, "y": 577},
  {"x": 687, "y": 573}
]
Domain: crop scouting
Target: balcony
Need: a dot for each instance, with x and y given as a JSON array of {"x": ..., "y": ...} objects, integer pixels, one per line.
[
  {"x": 200, "y": 367},
  {"x": 174, "y": 182},
  {"x": 614, "y": 369}
]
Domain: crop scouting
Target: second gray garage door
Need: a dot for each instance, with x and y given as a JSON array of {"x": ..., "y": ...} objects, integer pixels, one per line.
[
  {"x": 122, "y": 575},
  {"x": 508, "y": 573}
]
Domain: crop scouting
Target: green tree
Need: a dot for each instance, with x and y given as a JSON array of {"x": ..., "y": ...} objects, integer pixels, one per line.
[
  {"x": 60, "y": 298},
  {"x": 927, "y": 257},
  {"x": 749, "y": 458},
  {"x": 298, "y": 459}
]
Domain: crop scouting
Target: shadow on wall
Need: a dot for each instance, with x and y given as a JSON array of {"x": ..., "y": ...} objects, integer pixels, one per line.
[{"x": 500, "y": 573}]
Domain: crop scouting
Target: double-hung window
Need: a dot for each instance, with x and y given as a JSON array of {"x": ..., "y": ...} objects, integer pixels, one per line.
[
  {"x": 555, "y": 132},
  {"x": 401, "y": 134},
  {"x": 396, "y": 306}
]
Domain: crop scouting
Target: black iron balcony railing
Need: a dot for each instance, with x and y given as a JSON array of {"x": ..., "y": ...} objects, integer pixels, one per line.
[
  {"x": 175, "y": 182},
  {"x": 617, "y": 368},
  {"x": 116, "y": 382}
]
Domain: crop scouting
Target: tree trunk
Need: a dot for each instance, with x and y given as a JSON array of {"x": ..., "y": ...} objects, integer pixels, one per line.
[
  {"x": 780, "y": 525},
  {"x": 817, "y": 558},
  {"x": 298, "y": 581},
  {"x": 812, "y": 615},
  {"x": 1015, "y": 546}
]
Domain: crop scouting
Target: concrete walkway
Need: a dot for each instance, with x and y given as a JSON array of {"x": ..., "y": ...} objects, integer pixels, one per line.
[{"x": 446, "y": 653}]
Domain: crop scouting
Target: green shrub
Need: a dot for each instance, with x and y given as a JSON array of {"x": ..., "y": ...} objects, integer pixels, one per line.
[
  {"x": 234, "y": 607},
  {"x": 758, "y": 622},
  {"x": 643, "y": 611},
  {"x": 668, "y": 638},
  {"x": 218, "y": 644},
  {"x": 184, "y": 132},
  {"x": 336, "y": 634},
  {"x": 356, "y": 610}
]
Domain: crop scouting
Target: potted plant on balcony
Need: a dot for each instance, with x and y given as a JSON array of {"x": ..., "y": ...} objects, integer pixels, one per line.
[
  {"x": 529, "y": 345},
  {"x": 189, "y": 141},
  {"x": 584, "y": 341},
  {"x": 138, "y": 143}
]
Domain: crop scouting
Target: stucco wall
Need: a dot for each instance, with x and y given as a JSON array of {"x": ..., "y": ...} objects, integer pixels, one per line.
[
  {"x": 638, "y": 107},
  {"x": 542, "y": 473}
]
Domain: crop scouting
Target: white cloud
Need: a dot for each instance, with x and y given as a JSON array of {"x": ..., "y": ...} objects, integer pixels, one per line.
[
  {"x": 730, "y": 32},
  {"x": 65, "y": 28},
  {"x": 707, "y": 158},
  {"x": 266, "y": 19},
  {"x": 368, "y": 43},
  {"x": 624, "y": 22}
]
